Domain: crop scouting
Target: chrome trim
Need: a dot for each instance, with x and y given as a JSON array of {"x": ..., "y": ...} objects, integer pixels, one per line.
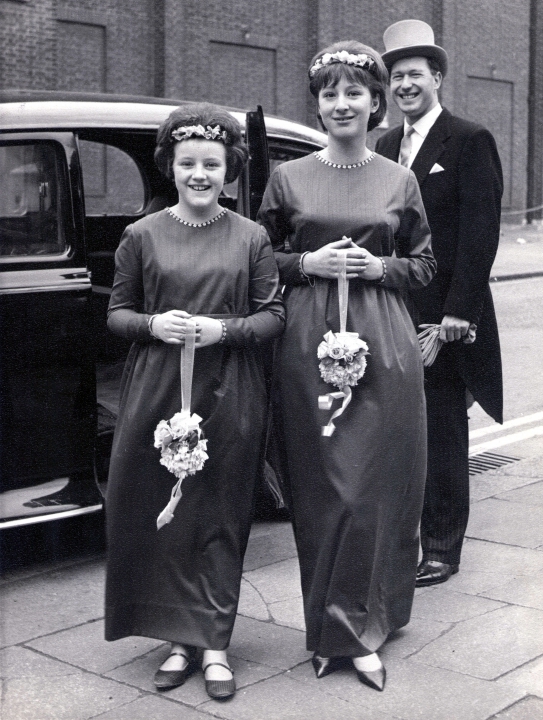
[
  {"x": 78, "y": 114},
  {"x": 47, "y": 280},
  {"x": 34, "y": 519}
]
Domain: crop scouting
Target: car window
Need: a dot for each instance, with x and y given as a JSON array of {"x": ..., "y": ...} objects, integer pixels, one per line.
[
  {"x": 280, "y": 153},
  {"x": 32, "y": 179},
  {"x": 112, "y": 180}
]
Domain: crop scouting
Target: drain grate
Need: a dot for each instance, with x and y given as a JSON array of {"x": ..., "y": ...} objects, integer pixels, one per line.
[{"x": 488, "y": 461}]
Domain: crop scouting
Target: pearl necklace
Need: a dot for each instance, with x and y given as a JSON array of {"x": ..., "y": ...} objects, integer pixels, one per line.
[
  {"x": 195, "y": 225},
  {"x": 343, "y": 167}
]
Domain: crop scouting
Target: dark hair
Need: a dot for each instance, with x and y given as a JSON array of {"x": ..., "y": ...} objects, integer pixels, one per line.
[
  {"x": 201, "y": 114},
  {"x": 434, "y": 65},
  {"x": 375, "y": 79}
]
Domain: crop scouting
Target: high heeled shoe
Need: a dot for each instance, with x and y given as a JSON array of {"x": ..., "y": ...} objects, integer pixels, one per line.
[
  {"x": 324, "y": 666},
  {"x": 374, "y": 679}
]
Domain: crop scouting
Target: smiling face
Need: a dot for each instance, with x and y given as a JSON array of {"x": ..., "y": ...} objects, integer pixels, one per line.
[
  {"x": 345, "y": 109},
  {"x": 414, "y": 87},
  {"x": 199, "y": 168}
]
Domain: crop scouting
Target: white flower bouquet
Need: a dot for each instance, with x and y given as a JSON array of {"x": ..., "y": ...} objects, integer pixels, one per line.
[
  {"x": 182, "y": 443},
  {"x": 342, "y": 358}
]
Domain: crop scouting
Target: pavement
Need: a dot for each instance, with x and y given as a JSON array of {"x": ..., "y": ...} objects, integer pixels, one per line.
[{"x": 472, "y": 651}]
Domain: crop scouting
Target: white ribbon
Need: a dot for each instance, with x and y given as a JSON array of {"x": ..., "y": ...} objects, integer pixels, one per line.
[
  {"x": 186, "y": 370},
  {"x": 325, "y": 401}
]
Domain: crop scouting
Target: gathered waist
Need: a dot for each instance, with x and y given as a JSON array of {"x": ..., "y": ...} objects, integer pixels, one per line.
[
  {"x": 218, "y": 316},
  {"x": 224, "y": 316}
]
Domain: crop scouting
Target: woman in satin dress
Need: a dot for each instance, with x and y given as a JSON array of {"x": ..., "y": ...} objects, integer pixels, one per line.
[
  {"x": 200, "y": 262},
  {"x": 356, "y": 496}
]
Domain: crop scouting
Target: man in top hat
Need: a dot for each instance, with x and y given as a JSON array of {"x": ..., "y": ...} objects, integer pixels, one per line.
[{"x": 459, "y": 172}]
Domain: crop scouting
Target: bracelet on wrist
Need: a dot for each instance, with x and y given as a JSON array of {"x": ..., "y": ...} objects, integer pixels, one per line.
[
  {"x": 150, "y": 326},
  {"x": 383, "y": 276},
  {"x": 305, "y": 276},
  {"x": 223, "y": 336}
]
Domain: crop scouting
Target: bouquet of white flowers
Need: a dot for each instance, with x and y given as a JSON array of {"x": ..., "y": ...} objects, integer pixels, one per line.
[{"x": 342, "y": 358}]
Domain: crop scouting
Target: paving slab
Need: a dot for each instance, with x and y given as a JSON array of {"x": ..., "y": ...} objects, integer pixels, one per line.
[
  {"x": 85, "y": 647},
  {"x": 153, "y": 707},
  {"x": 18, "y": 662},
  {"x": 50, "y": 602},
  {"x": 140, "y": 673},
  {"x": 270, "y": 542},
  {"x": 76, "y": 696},
  {"x": 489, "y": 645},
  {"x": 491, "y": 557},
  {"x": 528, "y": 467},
  {"x": 267, "y": 643},
  {"x": 473, "y": 582},
  {"x": 279, "y": 581},
  {"x": 493, "y": 484},
  {"x": 506, "y": 522},
  {"x": 496, "y": 558},
  {"x": 289, "y": 613},
  {"x": 251, "y": 603},
  {"x": 526, "y": 591},
  {"x": 514, "y": 257},
  {"x": 531, "y": 494},
  {"x": 450, "y": 606},
  {"x": 525, "y": 709},
  {"x": 416, "y": 692},
  {"x": 282, "y": 698},
  {"x": 413, "y": 637},
  {"x": 527, "y": 679}
]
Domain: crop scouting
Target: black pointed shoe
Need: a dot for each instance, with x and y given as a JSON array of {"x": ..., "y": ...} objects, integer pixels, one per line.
[
  {"x": 433, "y": 572},
  {"x": 324, "y": 666},
  {"x": 220, "y": 689},
  {"x": 167, "y": 679},
  {"x": 374, "y": 679}
]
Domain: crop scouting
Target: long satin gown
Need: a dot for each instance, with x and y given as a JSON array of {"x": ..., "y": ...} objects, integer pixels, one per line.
[
  {"x": 181, "y": 583},
  {"x": 356, "y": 496}
]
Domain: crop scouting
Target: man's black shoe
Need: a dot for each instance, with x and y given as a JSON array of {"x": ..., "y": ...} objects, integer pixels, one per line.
[{"x": 432, "y": 572}]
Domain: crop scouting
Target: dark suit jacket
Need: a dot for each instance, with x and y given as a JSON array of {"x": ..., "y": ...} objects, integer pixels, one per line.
[{"x": 463, "y": 205}]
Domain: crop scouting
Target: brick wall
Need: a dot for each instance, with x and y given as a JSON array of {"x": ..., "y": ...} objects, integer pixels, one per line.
[
  {"x": 28, "y": 44},
  {"x": 240, "y": 52}
]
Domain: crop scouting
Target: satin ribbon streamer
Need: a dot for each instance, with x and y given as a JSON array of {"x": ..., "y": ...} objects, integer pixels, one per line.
[
  {"x": 325, "y": 401},
  {"x": 186, "y": 369}
]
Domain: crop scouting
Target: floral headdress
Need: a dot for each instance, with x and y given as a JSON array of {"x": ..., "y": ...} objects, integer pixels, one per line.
[
  {"x": 208, "y": 133},
  {"x": 362, "y": 61}
]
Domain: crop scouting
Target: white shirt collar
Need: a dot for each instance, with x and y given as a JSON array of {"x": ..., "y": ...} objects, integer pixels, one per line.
[{"x": 423, "y": 126}]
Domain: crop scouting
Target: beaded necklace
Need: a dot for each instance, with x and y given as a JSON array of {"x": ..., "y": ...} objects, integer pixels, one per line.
[
  {"x": 195, "y": 225},
  {"x": 343, "y": 167}
]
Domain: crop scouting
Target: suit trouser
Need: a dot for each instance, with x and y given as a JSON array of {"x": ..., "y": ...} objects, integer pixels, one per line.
[{"x": 446, "y": 498}]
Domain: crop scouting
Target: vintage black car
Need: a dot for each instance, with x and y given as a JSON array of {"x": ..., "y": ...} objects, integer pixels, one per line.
[{"x": 75, "y": 169}]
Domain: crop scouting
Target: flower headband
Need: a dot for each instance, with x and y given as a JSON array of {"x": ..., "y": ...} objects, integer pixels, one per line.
[
  {"x": 363, "y": 61},
  {"x": 208, "y": 133}
]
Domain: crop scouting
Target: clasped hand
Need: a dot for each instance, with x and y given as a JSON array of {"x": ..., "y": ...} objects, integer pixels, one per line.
[
  {"x": 172, "y": 327},
  {"x": 325, "y": 262}
]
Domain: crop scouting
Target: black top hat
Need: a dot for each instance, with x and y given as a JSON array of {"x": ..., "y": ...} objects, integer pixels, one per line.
[{"x": 411, "y": 38}]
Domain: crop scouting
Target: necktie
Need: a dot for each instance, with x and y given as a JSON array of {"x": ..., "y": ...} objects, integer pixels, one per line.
[{"x": 405, "y": 147}]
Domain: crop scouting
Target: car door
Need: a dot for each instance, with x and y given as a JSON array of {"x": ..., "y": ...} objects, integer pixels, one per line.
[
  {"x": 47, "y": 388},
  {"x": 258, "y": 167}
]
